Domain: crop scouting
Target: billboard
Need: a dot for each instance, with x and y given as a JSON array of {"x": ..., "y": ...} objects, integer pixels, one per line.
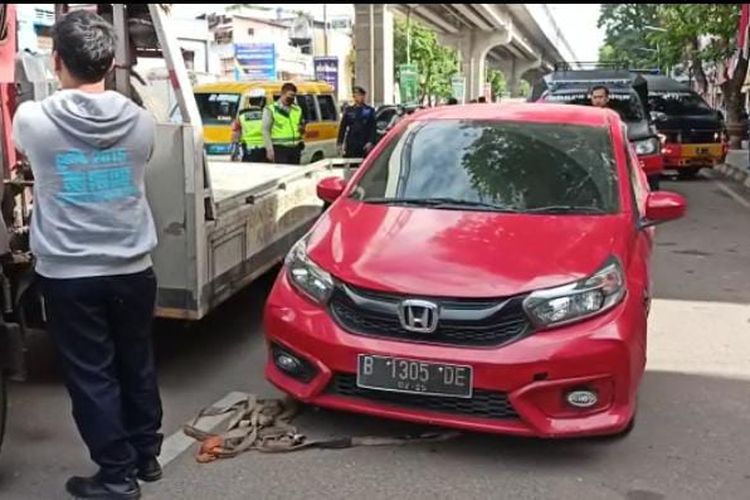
[
  {"x": 327, "y": 70},
  {"x": 255, "y": 61}
]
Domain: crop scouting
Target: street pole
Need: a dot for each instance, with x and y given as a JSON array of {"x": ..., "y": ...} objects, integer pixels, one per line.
[
  {"x": 408, "y": 36},
  {"x": 325, "y": 28}
]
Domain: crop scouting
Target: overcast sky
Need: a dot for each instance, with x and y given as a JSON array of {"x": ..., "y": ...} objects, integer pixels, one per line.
[{"x": 577, "y": 21}]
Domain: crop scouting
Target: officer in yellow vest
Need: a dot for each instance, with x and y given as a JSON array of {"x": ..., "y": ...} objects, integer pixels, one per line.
[
  {"x": 249, "y": 134},
  {"x": 284, "y": 128}
]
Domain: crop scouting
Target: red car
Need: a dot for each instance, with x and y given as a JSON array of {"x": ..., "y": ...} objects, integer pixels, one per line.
[{"x": 487, "y": 268}]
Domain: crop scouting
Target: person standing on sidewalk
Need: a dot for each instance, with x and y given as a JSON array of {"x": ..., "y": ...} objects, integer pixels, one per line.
[
  {"x": 92, "y": 232},
  {"x": 284, "y": 128}
]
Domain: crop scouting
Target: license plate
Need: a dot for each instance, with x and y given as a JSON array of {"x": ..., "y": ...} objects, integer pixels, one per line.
[
  {"x": 702, "y": 150},
  {"x": 413, "y": 377}
]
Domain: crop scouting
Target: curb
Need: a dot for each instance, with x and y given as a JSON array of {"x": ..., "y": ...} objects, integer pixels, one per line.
[{"x": 741, "y": 175}]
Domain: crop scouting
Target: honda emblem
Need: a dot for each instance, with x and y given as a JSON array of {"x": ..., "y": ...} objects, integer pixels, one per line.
[{"x": 418, "y": 316}]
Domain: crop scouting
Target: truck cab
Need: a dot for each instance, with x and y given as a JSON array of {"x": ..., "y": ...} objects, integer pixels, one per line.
[
  {"x": 693, "y": 133},
  {"x": 628, "y": 96}
]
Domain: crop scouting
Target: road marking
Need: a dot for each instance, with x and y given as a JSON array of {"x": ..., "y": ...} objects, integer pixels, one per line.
[
  {"x": 736, "y": 197},
  {"x": 178, "y": 442}
]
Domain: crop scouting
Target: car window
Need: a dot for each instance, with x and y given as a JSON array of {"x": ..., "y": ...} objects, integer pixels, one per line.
[
  {"x": 627, "y": 105},
  {"x": 309, "y": 110},
  {"x": 217, "y": 108},
  {"x": 327, "y": 108},
  {"x": 679, "y": 103},
  {"x": 384, "y": 118},
  {"x": 516, "y": 165}
]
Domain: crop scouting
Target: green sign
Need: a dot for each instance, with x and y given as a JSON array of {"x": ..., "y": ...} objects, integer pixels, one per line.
[
  {"x": 458, "y": 84},
  {"x": 409, "y": 83}
]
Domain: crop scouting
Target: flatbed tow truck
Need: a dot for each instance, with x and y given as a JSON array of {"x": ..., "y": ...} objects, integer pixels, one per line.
[{"x": 220, "y": 224}]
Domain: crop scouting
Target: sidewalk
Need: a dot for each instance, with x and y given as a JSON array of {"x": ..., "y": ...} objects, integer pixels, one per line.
[{"x": 737, "y": 166}]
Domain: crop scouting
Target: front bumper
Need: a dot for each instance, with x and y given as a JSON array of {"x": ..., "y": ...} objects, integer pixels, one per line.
[{"x": 605, "y": 353}]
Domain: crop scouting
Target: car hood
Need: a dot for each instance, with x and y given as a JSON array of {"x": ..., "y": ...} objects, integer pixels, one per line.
[{"x": 447, "y": 253}]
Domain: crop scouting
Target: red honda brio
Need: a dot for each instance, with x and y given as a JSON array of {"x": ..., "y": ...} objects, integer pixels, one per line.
[{"x": 487, "y": 268}]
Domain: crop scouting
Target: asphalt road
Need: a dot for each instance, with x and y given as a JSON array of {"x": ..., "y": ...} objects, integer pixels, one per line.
[{"x": 691, "y": 439}]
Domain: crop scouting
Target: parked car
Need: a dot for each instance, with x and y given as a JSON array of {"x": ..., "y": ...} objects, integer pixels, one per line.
[{"x": 487, "y": 268}]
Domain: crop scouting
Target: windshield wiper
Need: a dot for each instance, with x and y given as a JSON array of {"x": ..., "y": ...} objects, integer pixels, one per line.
[
  {"x": 440, "y": 203},
  {"x": 563, "y": 209}
]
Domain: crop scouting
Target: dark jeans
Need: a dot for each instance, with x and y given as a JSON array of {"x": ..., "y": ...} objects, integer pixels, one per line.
[
  {"x": 291, "y": 155},
  {"x": 254, "y": 155},
  {"x": 354, "y": 151},
  {"x": 102, "y": 329}
]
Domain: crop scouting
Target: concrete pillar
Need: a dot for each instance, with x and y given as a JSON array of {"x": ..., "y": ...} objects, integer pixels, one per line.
[
  {"x": 519, "y": 69},
  {"x": 373, "y": 42},
  {"x": 474, "y": 47}
]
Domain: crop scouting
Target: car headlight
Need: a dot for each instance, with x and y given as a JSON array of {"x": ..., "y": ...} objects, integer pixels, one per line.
[
  {"x": 582, "y": 299},
  {"x": 647, "y": 146},
  {"x": 307, "y": 276}
]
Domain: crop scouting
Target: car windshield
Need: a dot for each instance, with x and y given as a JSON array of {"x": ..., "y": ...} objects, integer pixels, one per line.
[
  {"x": 495, "y": 166},
  {"x": 678, "y": 103},
  {"x": 217, "y": 109},
  {"x": 627, "y": 105}
]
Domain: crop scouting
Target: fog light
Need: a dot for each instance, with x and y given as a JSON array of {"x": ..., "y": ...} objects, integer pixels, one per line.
[
  {"x": 582, "y": 398},
  {"x": 288, "y": 363},
  {"x": 292, "y": 365}
]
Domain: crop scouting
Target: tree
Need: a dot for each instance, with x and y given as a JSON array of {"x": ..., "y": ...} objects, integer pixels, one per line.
[
  {"x": 435, "y": 63},
  {"x": 702, "y": 35},
  {"x": 497, "y": 82},
  {"x": 626, "y": 27}
]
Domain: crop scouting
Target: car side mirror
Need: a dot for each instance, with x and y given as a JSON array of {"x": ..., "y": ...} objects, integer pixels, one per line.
[
  {"x": 330, "y": 188},
  {"x": 663, "y": 206}
]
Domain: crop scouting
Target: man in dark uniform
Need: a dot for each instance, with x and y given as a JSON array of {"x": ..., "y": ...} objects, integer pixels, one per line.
[{"x": 357, "y": 130}]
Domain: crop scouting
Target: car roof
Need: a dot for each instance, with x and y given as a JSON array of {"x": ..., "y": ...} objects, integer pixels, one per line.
[
  {"x": 521, "y": 112},
  {"x": 660, "y": 83}
]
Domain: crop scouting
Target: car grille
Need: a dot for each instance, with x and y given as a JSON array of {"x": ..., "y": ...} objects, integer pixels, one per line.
[
  {"x": 691, "y": 136},
  {"x": 461, "y": 323},
  {"x": 483, "y": 404}
]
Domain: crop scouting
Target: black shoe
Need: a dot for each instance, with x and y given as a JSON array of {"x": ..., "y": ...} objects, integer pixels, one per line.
[
  {"x": 97, "y": 488},
  {"x": 148, "y": 470}
]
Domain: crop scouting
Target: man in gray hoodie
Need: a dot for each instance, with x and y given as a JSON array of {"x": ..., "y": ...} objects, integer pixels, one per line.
[{"x": 91, "y": 234}]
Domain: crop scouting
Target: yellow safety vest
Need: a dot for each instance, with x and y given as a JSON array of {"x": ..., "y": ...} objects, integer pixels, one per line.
[
  {"x": 252, "y": 131},
  {"x": 285, "y": 131}
]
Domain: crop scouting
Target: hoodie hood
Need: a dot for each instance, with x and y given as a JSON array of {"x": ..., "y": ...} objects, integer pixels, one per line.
[{"x": 100, "y": 120}]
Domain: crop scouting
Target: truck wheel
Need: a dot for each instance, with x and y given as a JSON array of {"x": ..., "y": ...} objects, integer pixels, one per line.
[
  {"x": 317, "y": 156},
  {"x": 688, "y": 173}
]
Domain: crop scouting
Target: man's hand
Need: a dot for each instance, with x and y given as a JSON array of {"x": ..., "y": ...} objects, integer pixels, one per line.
[
  {"x": 368, "y": 147},
  {"x": 341, "y": 150},
  {"x": 269, "y": 155}
]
